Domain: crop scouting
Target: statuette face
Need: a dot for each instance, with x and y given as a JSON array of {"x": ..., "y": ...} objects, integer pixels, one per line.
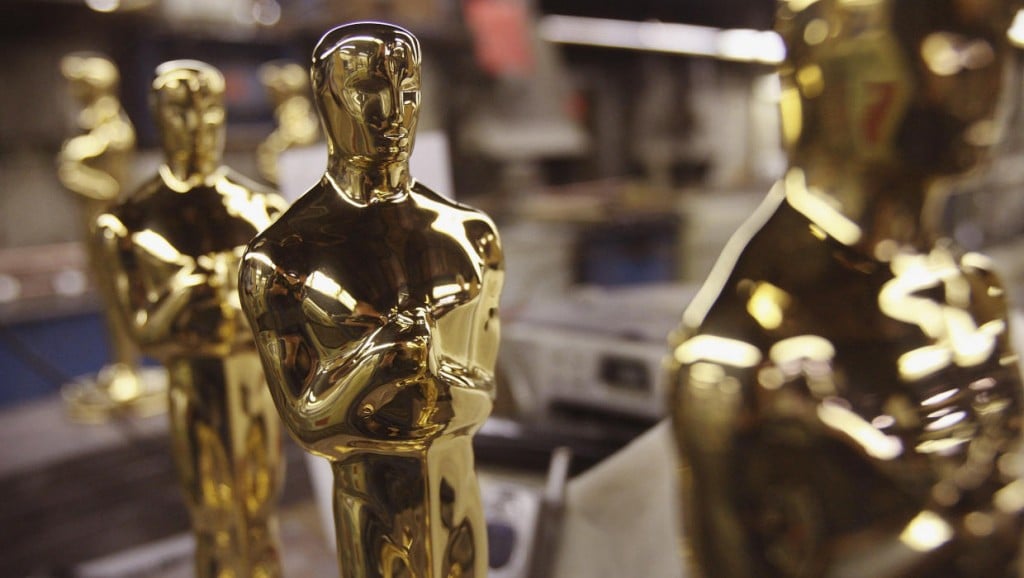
[
  {"x": 367, "y": 89},
  {"x": 188, "y": 104},
  {"x": 913, "y": 85},
  {"x": 174, "y": 247},
  {"x": 846, "y": 398},
  {"x": 374, "y": 305}
]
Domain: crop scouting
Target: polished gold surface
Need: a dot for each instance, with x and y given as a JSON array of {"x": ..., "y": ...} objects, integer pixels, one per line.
[
  {"x": 846, "y": 399},
  {"x": 287, "y": 84},
  {"x": 374, "y": 303},
  {"x": 175, "y": 246},
  {"x": 96, "y": 165}
]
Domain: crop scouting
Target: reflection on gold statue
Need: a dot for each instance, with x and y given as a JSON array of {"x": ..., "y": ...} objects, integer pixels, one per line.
[
  {"x": 374, "y": 304},
  {"x": 846, "y": 399},
  {"x": 96, "y": 165},
  {"x": 287, "y": 83},
  {"x": 175, "y": 247}
]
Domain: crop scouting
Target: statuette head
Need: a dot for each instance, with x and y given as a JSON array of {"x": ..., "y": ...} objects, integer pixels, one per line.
[
  {"x": 366, "y": 82},
  {"x": 188, "y": 105},
  {"x": 89, "y": 75}
]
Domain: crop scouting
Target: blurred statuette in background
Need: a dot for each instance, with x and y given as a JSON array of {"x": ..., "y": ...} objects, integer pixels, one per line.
[
  {"x": 374, "y": 305},
  {"x": 174, "y": 249},
  {"x": 96, "y": 165},
  {"x": 287, "y": 84},
  {"x": 846, "y": 399}
]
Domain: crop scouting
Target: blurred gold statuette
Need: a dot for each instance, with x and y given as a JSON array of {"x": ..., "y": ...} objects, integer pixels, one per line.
[
  {"x": 287, "y": 84},
  {"x": 174, "y": 248},
  {"x": 96, "y": 165},
  {"x": 374, "y": 304},
  {"x": 846, "y": 400}
]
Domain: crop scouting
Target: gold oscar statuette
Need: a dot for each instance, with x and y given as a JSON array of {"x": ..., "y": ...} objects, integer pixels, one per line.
[
  {"x": 287, "y": 85},
  {"x": 846, "y": 399},
  {"x": 374, "y": 305},
  {"x": 174, "y": 247},
  {"x": 95, "y": 165}
]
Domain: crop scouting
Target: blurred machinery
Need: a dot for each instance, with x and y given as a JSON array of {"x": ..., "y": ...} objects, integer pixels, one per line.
[{"x": 599, "y": 350}]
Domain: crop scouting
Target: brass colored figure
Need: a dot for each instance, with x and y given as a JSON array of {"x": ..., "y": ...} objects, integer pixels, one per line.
[
  {"x": 374, "y": 303},
  {"x": 287, "y": 83},
  {"x": 846, "y": 400},
  {"x": 175, "y": 247},
  {"x": 95, "y": 165}
]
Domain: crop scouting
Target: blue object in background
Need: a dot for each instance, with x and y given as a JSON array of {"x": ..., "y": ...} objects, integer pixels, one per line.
[
  {"x": 37, "y": 356},
  {"x": 636, "y": 250}
]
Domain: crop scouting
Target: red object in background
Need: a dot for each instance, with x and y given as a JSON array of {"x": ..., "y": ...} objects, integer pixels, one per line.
[
  {"x": 501, "y": 36},
  {"x": 876, "y": 114}
]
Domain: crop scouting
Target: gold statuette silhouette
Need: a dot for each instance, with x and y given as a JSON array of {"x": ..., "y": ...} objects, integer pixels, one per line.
[
  {"x": 374, "y": 304},
  {"x": 287, "y": 84},
  {"x": 846, "y": 400},
  {"x": 175, "y": 247},
  {"x": 96, "y": 165}
]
